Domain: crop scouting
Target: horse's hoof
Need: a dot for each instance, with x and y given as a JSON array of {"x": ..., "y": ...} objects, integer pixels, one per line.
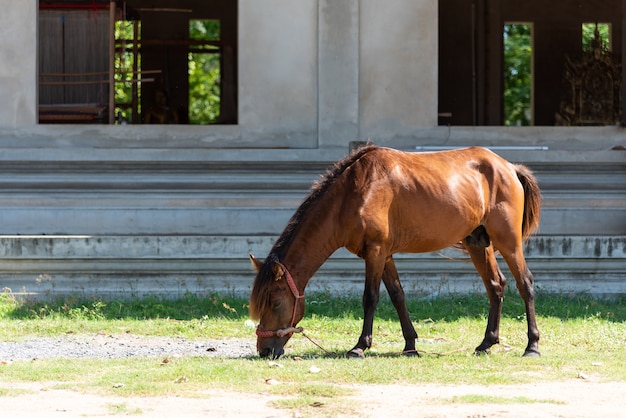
[
  {"x": 484, "y": 352},
  {"x": 531, "y": 353},
  {"x": 411, "y": 353},
  {"x": 356, "y": 353}
]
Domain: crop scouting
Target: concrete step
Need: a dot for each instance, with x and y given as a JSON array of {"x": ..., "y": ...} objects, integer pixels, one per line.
[
  {"x": 583, "y": 193},
  {"x": 130, "y": 266}
]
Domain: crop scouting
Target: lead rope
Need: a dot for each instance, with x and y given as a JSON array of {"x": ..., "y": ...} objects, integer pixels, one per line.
[
  {"x": 299, "y": 330},
  {"x": 315, "y": 343}
]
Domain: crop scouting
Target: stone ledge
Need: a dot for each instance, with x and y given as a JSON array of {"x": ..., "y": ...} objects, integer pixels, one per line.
[
  {"x": 124, "y": 266},
  {"x": 80, "y": 188}
]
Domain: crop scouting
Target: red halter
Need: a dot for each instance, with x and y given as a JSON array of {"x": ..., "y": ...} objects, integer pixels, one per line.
[{"x": 296, "y": 294}]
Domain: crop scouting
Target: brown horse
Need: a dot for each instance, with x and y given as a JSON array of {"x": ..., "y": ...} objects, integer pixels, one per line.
[{"x": 377, "y": 202}]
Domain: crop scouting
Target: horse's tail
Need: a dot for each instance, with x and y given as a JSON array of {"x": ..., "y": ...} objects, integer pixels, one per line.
[{"x": 532, "y": 201}]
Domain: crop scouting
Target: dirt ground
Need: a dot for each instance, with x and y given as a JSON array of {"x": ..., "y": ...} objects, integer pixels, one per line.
[{"x": 576, "y": 398}]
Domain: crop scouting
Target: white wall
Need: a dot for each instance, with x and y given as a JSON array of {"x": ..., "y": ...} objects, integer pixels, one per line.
[
  {"x": 18, "y": 63},
  {"x": 338, "y": 63},
  {"x": 349, "y": 70},
  {"x": 278, "y": 71},
  {"x": 398, "y": 67}
]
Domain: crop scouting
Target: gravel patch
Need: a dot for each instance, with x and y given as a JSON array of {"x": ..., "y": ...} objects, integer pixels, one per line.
[{"x": 121, "y": 346}]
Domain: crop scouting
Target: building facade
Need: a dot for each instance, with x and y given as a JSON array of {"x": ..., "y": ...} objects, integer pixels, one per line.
[{"x": 98, "y": 203}]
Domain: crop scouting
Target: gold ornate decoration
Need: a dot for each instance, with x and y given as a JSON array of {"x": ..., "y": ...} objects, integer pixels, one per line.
[{"x": 592, "y": 88}]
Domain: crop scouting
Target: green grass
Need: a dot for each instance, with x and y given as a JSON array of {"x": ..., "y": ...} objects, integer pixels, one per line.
[
  {"x": 123, "y": 409},
  {"x": 500, "y": 400},
  {"x": 579, "y": 335},
  {"x": 6, "y": 392},
  {"x": 190, "y": 317}
]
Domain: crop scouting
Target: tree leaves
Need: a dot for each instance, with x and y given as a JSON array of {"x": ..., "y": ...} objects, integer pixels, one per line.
[{"x": 517, "y": 74}]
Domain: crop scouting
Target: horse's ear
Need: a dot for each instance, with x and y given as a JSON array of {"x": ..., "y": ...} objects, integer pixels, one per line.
[
  {"x": 278, "y": 270},
  {"x": 256, "y": 263}
]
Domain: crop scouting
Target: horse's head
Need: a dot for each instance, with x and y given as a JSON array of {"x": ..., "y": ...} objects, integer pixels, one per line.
[{"x": 276, "y": 303}]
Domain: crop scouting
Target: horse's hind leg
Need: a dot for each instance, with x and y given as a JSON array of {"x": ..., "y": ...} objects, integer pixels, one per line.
[
  {"x": 396, "y": 294},
  {"x": 485, "y": 262},
  {"x": 514, "y": 257}
]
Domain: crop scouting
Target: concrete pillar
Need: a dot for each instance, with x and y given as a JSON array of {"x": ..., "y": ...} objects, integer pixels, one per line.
[
  {"x": 338, "y": 66},
  {"x": 398, "y": 68},
  {"x": 278, "y": 72},
  {"x": 18, "y": 63}
]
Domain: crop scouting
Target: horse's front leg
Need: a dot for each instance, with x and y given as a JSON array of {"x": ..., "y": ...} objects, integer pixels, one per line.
[
  {"x": 371, "y": 294},
  {"x": 396, "y": 294}
]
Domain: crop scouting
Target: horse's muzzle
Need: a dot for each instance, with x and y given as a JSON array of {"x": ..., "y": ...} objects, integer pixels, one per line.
[
  {"x": 270, "y": 352},
  {"x": 271, "y": 347}
]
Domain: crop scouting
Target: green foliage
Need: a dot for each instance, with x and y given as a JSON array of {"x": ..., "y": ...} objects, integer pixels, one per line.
[
  {"x": 517, "y": 74},
  {"x": 588, "y": 31},
  {"x": 123, "y": 67},
  {"x": 204, "y": 74},
  {"x": 190, "y": 316},
  {"x": 321, "y": 309},
  {"x": 188, "y": 307},
  {"x": 8, "y": 303},
  {"x": 203, "y": 69}
]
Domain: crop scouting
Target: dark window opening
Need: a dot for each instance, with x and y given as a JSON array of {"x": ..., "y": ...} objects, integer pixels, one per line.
[
  {"x": 482, "y": 80},
  {"x": 138, "y": 62},
  {"x": 74, "y": 62}
]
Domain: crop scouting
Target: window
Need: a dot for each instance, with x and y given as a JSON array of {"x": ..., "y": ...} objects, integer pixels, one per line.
[
  {"x": 204, "y": 71},
  {"x": 74, "y": 62},
  {"x": 518, "y": 77},
  {"x": 128, "y": 78},
  {"x": 504, "y": 63},
  {"x": 168, "y": 64},
  {"x": 603, "y": 33}
]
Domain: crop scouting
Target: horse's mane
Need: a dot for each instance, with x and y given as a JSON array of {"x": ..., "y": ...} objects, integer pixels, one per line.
[
  {"x": 318, "y": 189},
  {"x": 259, "y": 298}
]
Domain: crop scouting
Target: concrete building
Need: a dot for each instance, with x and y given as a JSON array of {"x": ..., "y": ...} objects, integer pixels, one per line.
[{"x": 96, "y": 206}]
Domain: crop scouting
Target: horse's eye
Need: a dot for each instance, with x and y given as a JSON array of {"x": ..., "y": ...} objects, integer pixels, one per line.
[{"x": 276, "y": 304}]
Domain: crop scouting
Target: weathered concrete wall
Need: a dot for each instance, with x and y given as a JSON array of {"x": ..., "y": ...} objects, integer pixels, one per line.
[
  {"x": 324, "y": 73},
  {"x": 97, "y": 191},
  {"x": 177, "y": 221},
  {"x": 398, "y": 68},
  {"x": 18, "y": 63},
  {"x": 125, "y": 266},
  {"x": 338, "y": 66},
  {"x": 278, "y": 71}
]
